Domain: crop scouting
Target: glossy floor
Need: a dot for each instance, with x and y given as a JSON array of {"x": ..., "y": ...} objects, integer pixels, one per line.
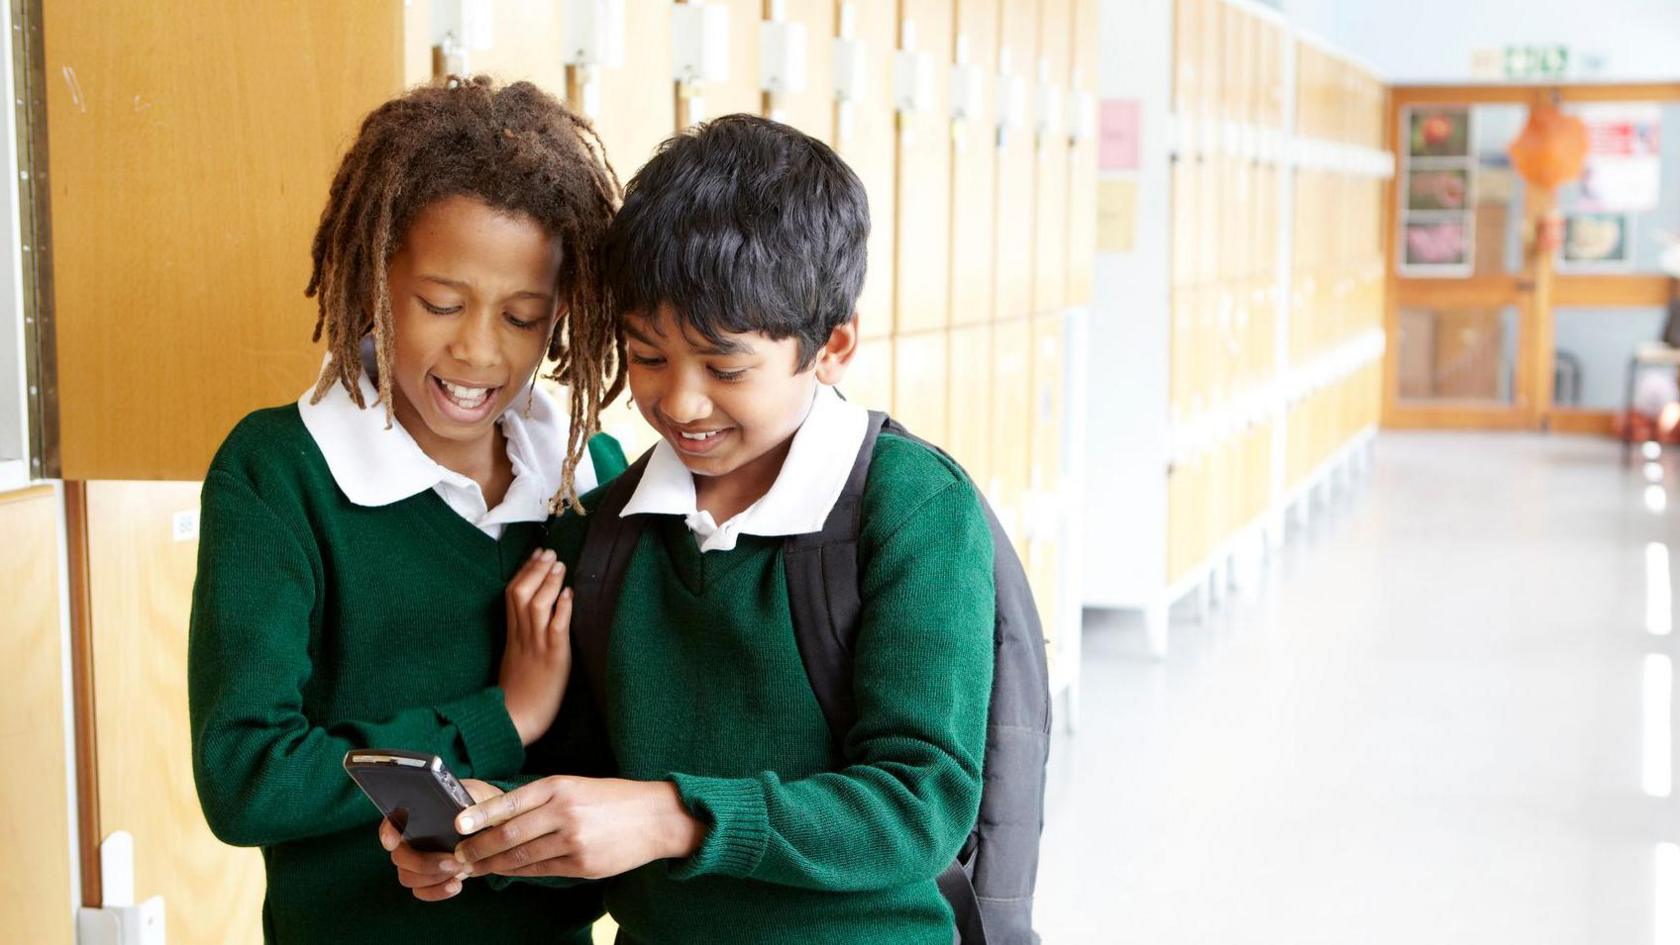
[{"x": 1444, "y": 716}]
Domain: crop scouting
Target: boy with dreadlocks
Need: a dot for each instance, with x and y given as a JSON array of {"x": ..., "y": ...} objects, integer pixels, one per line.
[
  {"x": 744, "y": 811},
  {"x": 356, "y": 544}
]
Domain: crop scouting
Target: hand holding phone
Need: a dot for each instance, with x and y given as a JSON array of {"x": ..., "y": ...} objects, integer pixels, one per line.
[{"x": 416, "y": 792}]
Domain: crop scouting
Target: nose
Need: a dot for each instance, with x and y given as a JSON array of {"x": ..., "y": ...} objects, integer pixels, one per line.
[
  {"x": 474, "y": 343},
  {"x": 685, "y": 401}
]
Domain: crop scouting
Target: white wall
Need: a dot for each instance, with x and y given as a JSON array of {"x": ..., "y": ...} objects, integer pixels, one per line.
[
  {"x": 1127, "y": 435},
  {"x": 1422, "y": 41}
]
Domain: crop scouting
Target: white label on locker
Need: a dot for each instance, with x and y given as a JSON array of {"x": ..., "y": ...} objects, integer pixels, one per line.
[
  {"x": 183, "y": 526},
  {"x": 851, "y": 70}
]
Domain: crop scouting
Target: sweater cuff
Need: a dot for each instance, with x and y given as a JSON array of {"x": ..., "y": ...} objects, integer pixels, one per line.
[
  {"x": 738, "y": 825},
  {"x": 492, "y": 743}
]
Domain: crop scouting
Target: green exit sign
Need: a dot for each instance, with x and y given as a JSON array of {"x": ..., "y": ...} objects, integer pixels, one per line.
[{"x": 1524, "y": 63}]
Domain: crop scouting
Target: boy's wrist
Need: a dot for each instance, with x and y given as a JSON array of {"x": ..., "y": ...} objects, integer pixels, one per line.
[{"x": 681, "y": 833}]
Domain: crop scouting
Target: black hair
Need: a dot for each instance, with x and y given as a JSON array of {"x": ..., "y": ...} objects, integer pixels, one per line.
[{"x": 742, "y": 224}]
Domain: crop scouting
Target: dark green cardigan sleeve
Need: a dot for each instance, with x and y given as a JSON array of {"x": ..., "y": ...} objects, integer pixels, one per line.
[{"x": 266, "y": 773}]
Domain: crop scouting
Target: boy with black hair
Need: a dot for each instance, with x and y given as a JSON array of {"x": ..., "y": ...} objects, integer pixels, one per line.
[{"x": 734, "y": 265}]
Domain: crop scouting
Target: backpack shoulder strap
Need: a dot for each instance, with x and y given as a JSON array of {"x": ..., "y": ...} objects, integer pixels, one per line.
[
  {"x": 824, "y": 593},
  {"x": 607, "y": 545}
]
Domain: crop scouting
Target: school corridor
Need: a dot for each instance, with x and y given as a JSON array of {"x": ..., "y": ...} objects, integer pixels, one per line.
[{"x": 1444, "y": 715}]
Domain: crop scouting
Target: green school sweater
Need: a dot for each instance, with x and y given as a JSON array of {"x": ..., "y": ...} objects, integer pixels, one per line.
[
  {"x": 707, "y": 690},
  {"x": 319, "y": 626}
]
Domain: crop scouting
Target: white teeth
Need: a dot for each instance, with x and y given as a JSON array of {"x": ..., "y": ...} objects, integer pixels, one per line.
[
  {"x": 467, "y": 397},
  {"x": 700, "y": 436}
]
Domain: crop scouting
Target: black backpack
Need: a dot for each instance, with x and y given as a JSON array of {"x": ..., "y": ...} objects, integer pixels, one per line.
[{"x": 990, "y": 885}]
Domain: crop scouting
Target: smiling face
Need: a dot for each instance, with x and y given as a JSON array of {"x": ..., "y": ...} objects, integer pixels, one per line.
[
  {"x": 729, "y": 409},
  {"x": 473, "y": 301}
]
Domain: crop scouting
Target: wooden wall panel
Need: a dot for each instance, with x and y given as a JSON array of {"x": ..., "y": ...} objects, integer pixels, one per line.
[
  {"x": 812, "y": 111},
  {"x": 921, "y": 384},
  {"x": 866, "y": 139},
  {"x": 1052, "y": 160},
  {"x": 1011, "y": 423},
  {"x": 974, "y": 171},
  {"x": 34, "y": 808},
  {"x": 1048, "y": 401},
  {"x": 1018, "y": 49},
  {"x": 526, "y": 43},
  {"x": 181, "y": 230},
  {"x": 1082, "y": 173},
  {"x": 740, "y": 92},
  {"x": 637, "y": 101},
  {"x": 141, "y": 597},
  {"x": 970, "y": 425},
  {"x": 924, "y": 176},
  {"x": 869, "y": 379}
]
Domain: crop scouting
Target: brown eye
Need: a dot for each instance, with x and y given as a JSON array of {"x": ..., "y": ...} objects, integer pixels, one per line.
[{"x": 437, "y": 309}]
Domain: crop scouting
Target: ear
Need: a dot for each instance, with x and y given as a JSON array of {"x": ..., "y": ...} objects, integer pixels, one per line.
[{"x": 835, "y": 356}]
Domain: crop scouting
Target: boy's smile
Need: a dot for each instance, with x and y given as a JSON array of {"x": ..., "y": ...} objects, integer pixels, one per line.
[{"x": 728, "y": 408}]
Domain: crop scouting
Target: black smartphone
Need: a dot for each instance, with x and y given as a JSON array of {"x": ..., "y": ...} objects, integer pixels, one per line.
[{"x": 416, "y": 792}]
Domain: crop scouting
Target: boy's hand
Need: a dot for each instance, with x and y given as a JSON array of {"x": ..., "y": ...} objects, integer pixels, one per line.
[
  {"x": 586, "y": 828},
  {"x": 538, "y": 658},
  {"x": 433, "y": 877}
]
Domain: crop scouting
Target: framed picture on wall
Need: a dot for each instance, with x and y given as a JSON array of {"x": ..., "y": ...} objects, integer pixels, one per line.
[
  {"x": 1438, "y": 131},
  {"x": 1444, "y": 188},
  {"x": 1436, "y": 246},
  {"x": 1596, "y": 242},
  {"x": 1437, "y": 192}
]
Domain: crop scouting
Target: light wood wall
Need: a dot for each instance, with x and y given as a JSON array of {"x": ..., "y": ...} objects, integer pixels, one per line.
[{"x": 34, "y": 807}]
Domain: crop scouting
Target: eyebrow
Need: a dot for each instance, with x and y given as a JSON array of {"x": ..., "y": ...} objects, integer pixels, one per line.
[
  {"x": 464, "y": 287},
  {"x": 722, "y": 349}
]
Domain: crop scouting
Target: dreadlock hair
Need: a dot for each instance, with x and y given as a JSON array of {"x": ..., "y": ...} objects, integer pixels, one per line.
[{"x": 516, "y": 148}]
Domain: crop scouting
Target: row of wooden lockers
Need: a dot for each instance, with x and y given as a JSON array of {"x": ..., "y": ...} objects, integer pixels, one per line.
[
  {"x": 1224, "y": 338},
  {"x": 1231, "y": 63},
  {"x": 1227, "y": 224},
  {"x": 1215, "y": 496},
  {"x": 1338, "y": 217},
  {"x": 1227, "y": 221},
  {"x": 975, "y": 220},
  {"x": 1333, "y": 305}
]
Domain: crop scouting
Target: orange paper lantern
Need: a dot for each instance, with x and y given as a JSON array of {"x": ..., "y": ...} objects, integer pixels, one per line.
[{"x": 1551, "y": 149}]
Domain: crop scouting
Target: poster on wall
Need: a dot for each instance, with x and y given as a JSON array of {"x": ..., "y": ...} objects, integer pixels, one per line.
[
  {"x": 1623, "y": 172},
  {"x": 1437, "y": 193},
  {"x": 1596, "y": 242}
]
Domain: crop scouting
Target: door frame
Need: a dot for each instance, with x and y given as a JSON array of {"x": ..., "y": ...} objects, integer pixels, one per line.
[{"x": 1536, "y": 291}]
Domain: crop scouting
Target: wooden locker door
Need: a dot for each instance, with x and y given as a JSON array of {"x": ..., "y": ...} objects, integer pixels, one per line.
[
  {"x": 1017, "y": 56},
  {"x": 740, "y": 92},
  {"x": 811, "y": 110},
  {"x": 969, "y": 436},
  {"x": 527, "y": 43},
  {"x": 1183, "y": 314},
  {"x": 924, "y": 176},
  {"x": 866, "y": 136},
  {"x": 1082, "y": 179},
  {"x": 1187, "y": 55},
  {"x": 1053, "y": 158},
  {"x": 921, "y": 384},
  {"x": 181, "y": 230},
  {"x": 974, "y": 169},
  {"x": 1012, "y": 424},
  {"x": 635, "y": 104},
  {"x": 869, "y": 379},
  {"x": 1048, "y": 402},
  {"x": 1044, "y": 570},
  {"x": 34, "y": 809},
  {"x": 141, "y": 579}
]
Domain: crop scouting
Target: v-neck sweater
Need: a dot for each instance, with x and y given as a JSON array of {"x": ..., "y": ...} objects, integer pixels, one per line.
[{"x": 321, "y": 626}]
